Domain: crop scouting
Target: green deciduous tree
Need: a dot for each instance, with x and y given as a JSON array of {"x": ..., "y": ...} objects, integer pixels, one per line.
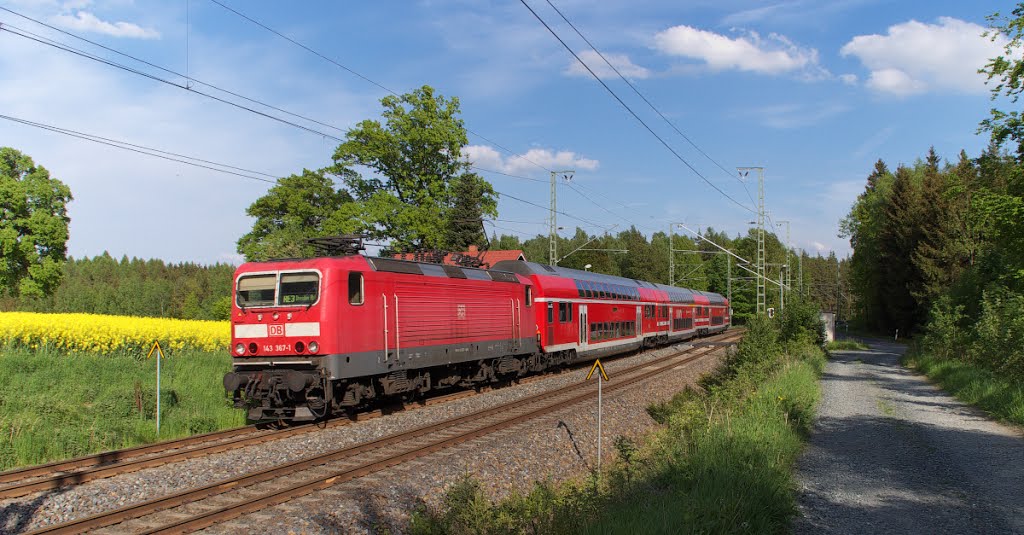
[
  {"x": 292, "y": 211},
  {"x": 1007, "y": 70},
  {"x": 418, "y": 183},
  {"x": 33, "y": 226}
]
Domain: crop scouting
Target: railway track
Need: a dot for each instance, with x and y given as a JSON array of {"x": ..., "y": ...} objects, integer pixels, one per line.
[
  {"x": 55, "y": 475},
  {"x": 202, "y": 507},
  {"x": 24, "y": 481}
]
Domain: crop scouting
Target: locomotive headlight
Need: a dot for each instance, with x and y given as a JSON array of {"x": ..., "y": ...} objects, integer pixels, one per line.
[
  {"x": 239, "y": 349},
  {"x": 314, "y": 347}
]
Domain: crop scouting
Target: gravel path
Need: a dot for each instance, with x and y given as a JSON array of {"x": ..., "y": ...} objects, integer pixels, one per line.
[
  {"x": 892, "y": 453},
  {"x": 522, "y": 465}
]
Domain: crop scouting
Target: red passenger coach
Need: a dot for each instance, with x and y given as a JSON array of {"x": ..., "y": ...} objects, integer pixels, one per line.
[
  {"x": 582, "y": 314},
  {"x": 309, "y": 335}
]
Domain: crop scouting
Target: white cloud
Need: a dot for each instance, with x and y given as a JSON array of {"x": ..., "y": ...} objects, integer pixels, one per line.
[
  {"x": 602, "y": 70},
  {"x": 915, "y": 57},
  {"x": 487, "y": 157},
  {"x": 87, "y": 22},
  {"x": 848, "y": 79},
  {"x": 775, "y": 54}
]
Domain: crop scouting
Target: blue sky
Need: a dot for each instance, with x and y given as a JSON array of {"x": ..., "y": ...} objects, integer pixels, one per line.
[{"x": 812, "y": 91}]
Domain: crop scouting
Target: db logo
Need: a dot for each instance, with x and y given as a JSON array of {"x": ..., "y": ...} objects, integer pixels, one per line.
[{"x": 275, "y": 330}]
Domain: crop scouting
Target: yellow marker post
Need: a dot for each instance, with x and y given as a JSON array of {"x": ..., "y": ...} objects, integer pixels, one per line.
[
  {"x": 604, "y": 377},
  {"x": 159, "y": 355}
]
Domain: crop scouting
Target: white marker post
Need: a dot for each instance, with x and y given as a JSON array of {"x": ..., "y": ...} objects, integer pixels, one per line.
[
  {"x": 159, "y": 356},
  {"x": 604, "y": 377}
]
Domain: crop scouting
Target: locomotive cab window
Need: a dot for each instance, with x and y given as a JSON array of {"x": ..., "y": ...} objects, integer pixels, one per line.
[
  {"x": 256, "y": 290},
  {"x": 299, "y": 288},
  {"x": 355, "y": 288}
]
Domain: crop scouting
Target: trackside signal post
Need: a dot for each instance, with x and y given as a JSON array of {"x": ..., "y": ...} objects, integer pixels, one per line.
[
  {"x": 604, "y": 377},
  {"x": 159, "y": 356}
]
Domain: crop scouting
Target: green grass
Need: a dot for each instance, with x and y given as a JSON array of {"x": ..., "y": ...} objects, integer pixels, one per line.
[
  {"x": 846, "y": 345},
  {"x": 57, "y": 406},
  {"x": 972, "y": 384},
  {"x": 721, "y": 463}
]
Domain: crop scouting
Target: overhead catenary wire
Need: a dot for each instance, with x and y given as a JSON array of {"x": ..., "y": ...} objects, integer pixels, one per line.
[
  {"x": 362, "y": 76},
  {"x": 162, "y": 68},
  {"x": 148, "y": 151},
  {"x": 72, "y": 50},
  {"x": 631, "y": 112},
  {"x": 208, "y": 164},
  {"x": 647, "y": 101}
]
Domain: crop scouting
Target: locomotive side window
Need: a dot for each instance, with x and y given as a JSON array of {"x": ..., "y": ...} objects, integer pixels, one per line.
[
  {"x": 529, "y": 296},
  {"x": 299, "y": 288},
  {"x": 551, "y": 312},
  {"x": 256, "y": 290},
  {"x": 355, "y": 288}
]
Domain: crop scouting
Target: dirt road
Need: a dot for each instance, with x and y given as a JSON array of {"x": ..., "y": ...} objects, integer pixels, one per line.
[{"x": 891, "y": 453}]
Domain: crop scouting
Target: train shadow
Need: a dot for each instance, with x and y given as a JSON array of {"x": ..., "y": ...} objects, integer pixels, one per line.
[{"x": 15, "y": 517}]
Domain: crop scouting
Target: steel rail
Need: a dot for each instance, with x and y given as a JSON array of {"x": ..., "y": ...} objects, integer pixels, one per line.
[{"x": 381, "y": 444}]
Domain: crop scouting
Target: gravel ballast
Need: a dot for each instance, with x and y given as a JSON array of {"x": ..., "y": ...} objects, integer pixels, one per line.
[
  {"x": 558, "y": 448},
  {"x": 892, "y": 453}
]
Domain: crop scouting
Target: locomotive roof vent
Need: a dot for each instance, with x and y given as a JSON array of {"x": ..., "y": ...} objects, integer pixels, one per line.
[{"x": 340, "y": 245}]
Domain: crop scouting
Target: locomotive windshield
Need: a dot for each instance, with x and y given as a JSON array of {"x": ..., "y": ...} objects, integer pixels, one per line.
[
  {"x": 299, "y": 288},
  {"x": 296, "y": 289},
  {"x": 257, "y": 290}
]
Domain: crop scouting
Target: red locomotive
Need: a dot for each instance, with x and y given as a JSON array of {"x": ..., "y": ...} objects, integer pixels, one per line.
[{"x": 325, "y": 334}]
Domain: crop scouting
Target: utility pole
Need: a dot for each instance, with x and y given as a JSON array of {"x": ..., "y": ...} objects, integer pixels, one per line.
[
  {"x": 672, "y": 253},
  {"x": 553, "y": 237},
  {"x": 800, "y": 272},
  {"x": 761, "y": 296},
  {"x": 671, "y": 256},
  {"x": 728, "y": 284},
  {"x": 789, "y": 264}
]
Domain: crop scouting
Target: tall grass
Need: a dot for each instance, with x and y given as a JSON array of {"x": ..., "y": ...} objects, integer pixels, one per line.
[
  {"x": 720, "y": 462},
  {"x": 56, "y": 406},
  {"x": 972, "y": 382}
]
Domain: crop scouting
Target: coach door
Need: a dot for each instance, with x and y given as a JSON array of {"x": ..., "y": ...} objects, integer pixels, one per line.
[
  {"x": 584, "y": 325},
  {"x": 639, "y": 321}
]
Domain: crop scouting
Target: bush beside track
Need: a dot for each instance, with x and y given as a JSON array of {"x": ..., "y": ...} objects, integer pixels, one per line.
[{"x": 720, "y": 462}]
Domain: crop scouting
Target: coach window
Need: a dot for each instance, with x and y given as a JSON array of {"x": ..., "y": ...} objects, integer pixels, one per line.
[
  {"x": 529, "y": 296},
  {"x": 568, "y": 311},
  {"x": 256, "y": 290},
  {"x": 355, "y": 288},
  {"x": 551, "y": 312},
  {"x": 561, "y": 313}
]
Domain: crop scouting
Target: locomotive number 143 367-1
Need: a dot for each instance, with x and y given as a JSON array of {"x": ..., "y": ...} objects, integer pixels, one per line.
[{"x": 269, "y": 348}]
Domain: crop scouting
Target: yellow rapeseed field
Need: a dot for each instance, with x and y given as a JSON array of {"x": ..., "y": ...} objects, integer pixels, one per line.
[{"x": 98, "y": 333}]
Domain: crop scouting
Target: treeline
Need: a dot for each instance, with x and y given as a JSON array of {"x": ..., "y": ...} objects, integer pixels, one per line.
[
  {"x": 698, "y": 264},
  {"x": 136, "y": 287},
  {"x": 940, "y": 248}
]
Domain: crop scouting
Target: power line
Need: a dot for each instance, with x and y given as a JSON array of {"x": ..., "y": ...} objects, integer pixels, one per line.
[
  {"x": 360, "y": 75},
  {"x": 148, "y": 151},
  {"x": 70, "y": 49},
  {"x": 630, "y": 110},
  {"x": 162, "y": 68},
  {"x": 646, "y": 100}
]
